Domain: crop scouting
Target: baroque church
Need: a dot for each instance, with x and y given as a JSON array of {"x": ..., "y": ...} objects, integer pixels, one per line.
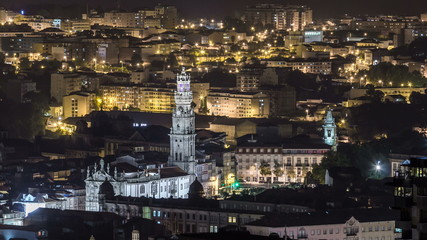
[{"x": 166, "y": 182}]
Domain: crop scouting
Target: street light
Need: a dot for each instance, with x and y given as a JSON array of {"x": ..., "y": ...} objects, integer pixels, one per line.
[{"x": 378, "y": 166}]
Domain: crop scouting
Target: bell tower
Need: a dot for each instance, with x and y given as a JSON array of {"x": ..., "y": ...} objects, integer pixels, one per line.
[
  {"x": 330, "y": 130},
  {"x": 183, "y": 133}
]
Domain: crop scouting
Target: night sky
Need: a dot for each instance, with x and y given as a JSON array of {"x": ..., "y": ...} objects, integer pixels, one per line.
[{"x": 209, "y": 8}]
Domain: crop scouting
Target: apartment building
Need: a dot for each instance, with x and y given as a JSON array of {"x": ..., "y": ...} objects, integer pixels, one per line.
[
  {"x": 304, "y": 65},
  {"x": 78, "y": 104},
  {"x": 347, "y": 224},
  {"x": 235, "y": 104},
  {"x": 287, "y": 163}
]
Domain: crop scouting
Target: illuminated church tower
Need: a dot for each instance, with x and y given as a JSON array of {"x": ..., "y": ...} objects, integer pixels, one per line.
[
  {"x": 330, "y": 130},
  {"x": 183, "y": 134}
]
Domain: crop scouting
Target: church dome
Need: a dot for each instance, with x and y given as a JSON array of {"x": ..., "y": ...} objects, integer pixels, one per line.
[{"x": 196, "y": 189}]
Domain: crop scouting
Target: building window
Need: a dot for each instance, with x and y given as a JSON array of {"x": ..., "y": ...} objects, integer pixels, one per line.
[{"x": 232, "y": 219}]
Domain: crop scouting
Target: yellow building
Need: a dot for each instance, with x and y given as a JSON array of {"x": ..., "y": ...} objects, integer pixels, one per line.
[
  {"x": 147, "y": 99},
  {"x": 157, "y": 100},
  {"x": 75, "y": 25},
  {"x": 120, "y": 96},
  {"x": 235, "y": 104},
  {"x": 78, "y": 104}
]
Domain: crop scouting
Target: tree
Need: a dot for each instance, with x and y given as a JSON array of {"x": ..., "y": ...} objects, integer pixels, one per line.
[
  {"x": 278, "y": 170},
  {"x": 291, "y": 172},
  {"x": 136, "y": 58},
  {"x": 230, "y": 61},
  {"x": 280, "y": 42},
  {"x": 24, "y": 64},
  {"x": 375, "y": 95},
  {"x": 172, "y": 61},
  {"x": 2, "y": 57},
  {"x": 330, "y": 159},
  {"x": 265, "y": 169},
  {"x": 418, "y": 99}
]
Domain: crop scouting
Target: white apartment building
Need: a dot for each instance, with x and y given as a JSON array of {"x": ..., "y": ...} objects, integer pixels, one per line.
[
  {"x": 294, "y": 161},
  {"x": 349, "y": 224}
]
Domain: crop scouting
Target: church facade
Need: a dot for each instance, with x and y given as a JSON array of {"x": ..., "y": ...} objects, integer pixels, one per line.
[{"x": 167, "y": 182}]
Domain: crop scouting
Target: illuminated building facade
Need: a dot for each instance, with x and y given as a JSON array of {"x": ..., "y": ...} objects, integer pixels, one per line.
[
  {"x": 78, "y": 104},
  {"x": 410, "y": 197},
  {"x": 303, "y": 65},
  {"x": 235, "y": 104},
  {"x": 146, "y": 99},
  {"x": 293, "y": 162}
]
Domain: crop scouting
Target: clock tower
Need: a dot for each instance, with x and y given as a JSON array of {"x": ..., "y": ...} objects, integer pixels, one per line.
[{"x": 183, "y": 133}]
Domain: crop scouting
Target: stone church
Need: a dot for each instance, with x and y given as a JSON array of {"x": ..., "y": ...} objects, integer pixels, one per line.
[{"x": 171, "y": 181}]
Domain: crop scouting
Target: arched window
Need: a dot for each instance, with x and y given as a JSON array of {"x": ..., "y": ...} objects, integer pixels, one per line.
[{"x": 142, "y": 189}]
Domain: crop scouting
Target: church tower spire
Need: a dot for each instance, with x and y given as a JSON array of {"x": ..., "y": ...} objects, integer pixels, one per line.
[
  {"x": 330, "y": 130},
  {"x": 183, "y": 133}
]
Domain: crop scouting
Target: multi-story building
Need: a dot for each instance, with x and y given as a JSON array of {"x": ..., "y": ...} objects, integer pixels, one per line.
[
  {"x": 287, "y": 163},
  {"x": 67, "y": 198},
  {"x": 235, "y": 104},
  {"x": 72, "y": 26},
  {"x": 183, "y": 215},
  {"x": 292, "y": 18},
  {"x": 396, "y": 161},
  {"x": 168, "y": 15},
  {"x": 6, "y": 16},
  {"x": 349, "y": 224},
  {"x": 304, "y": 65},
  {"x": 410, "y": 197},
  {"x": 147, "y": 99},
  {"x": 120, "y": 19},
  {"x": 78, "y": 104},
  {"x": 63, "y": 84},
  {"x": 159, "y": 100},
  {"x": 119, "y": 96},
  {"x": 248, "y": 79}
]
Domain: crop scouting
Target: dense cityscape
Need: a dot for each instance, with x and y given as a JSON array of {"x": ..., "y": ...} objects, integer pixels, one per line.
[{"x": 269, "y": 123}]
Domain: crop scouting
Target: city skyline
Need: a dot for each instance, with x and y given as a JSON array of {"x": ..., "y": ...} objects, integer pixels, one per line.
[{"x": 197, "y": 8}]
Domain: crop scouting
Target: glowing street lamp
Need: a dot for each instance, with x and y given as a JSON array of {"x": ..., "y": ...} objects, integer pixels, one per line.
[{"x": 378, "y": 166}]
